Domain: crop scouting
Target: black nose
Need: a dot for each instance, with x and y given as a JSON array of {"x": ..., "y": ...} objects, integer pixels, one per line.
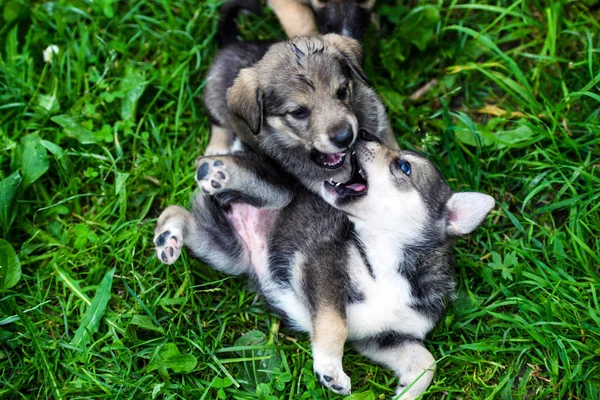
[
  {"x": 342, "y": 135},
  {"x": 367, "y": 136}
]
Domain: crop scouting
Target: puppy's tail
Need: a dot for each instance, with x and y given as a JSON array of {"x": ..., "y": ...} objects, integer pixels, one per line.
[{"x": 228, "y": 30}]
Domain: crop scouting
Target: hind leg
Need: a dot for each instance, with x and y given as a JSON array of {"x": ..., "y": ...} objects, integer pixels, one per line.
[
  {"x": 327, "y": 341},
  {"x": 171, "y": 226},
  {"x": 411, "y": 361},
  {"x": 220, "y": 141}
]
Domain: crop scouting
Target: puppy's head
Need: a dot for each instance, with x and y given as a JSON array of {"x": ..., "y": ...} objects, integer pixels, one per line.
[
  {"x": 297, "y": 100},
  {"x": 346, "y": 17},
  {"x": 402, "y": 190}
]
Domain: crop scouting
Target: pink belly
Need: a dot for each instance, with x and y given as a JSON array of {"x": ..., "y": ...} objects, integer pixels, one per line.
[{"x": 253, "y": 226}]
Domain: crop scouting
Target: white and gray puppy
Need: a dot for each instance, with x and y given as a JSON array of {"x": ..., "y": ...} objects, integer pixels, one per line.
[{"x": 375, "y": 270}]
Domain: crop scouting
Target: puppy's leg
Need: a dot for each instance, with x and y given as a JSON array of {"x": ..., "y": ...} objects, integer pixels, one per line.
[
  {"x": 327, "y": 340},
  {"x": 220, "y": 141},
  {"x": 173, "y": 223},
  {"x": 242, "y": 177},
  {"x": 296, "y": 18},
  {"x": 205, "y": 231},
  {"x": 410, "y": 360}
]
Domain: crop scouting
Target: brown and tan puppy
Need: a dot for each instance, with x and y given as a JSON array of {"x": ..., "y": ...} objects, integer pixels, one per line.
[{"x": 300, "y": 102}]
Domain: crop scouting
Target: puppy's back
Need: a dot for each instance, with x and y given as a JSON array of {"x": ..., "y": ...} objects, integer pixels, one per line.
[{"x": 225, "y": 68}]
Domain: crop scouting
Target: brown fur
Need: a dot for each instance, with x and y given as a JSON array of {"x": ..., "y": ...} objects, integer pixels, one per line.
[{"x": 296, "y": 17}]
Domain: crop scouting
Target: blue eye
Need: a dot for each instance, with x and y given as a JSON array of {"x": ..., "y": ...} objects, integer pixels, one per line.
[{"x": 404, "y": 166}]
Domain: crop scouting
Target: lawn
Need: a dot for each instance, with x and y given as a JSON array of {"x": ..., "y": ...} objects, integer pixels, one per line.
[{"x": 98, "y": 137}]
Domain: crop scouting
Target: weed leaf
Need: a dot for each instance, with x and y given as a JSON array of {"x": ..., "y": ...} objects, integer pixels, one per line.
[
  {"x": 142, "y": 322},
  {"x": 368, "y": 395},
  {"x": 31, "y": 156},
  {"x": 8, "y": 200},
  {"x": 91, "y": 320},
  {"x": 133, "y": 86},
  {"x": 169, "y": 357},
  {"x": 74, "y": 130},
  {"x": 10, "y": 267}
]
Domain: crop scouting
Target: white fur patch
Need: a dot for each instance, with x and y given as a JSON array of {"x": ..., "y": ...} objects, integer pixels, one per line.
[{"x": 288, "y": 299}]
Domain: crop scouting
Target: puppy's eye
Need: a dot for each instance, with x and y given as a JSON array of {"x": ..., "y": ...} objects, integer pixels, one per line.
[
  {"x": 342, "y": 93},
  {"x": 299, "y": 113},
  {"x": 404, "y": 166}
]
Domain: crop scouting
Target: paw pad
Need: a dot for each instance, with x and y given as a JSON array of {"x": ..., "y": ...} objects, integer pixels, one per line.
[
  {"x": 168, "y": 247},
  {"x": 212, "y": 176}
]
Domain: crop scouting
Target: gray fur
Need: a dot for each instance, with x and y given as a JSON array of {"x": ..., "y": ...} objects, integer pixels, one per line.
[
  {"x": 253, "y": 86},
  {"x": 321, "y": 262}
]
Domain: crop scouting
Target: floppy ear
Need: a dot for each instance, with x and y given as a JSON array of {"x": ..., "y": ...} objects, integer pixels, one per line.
[
  {"x": 351, "y": 51},
  {"x": 244, "y": 99},
  {"x": 466, "y": 210}
]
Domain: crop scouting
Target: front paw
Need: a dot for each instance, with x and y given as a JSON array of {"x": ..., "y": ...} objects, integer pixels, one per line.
[
  {"x": 331, "y": 374},
  {"x": 168, "y": 246},
  {"x": 212, "y": 175}
]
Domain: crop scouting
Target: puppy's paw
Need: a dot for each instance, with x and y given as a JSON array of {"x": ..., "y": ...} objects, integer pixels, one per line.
[
  {"x": 331, "y": 374},
  {"x": 212, "y": 175},
  {"x": 168, "y": 245}
]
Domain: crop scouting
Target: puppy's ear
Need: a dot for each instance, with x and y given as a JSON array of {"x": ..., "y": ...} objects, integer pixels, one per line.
[
  {"x": 244, "y": 99},
  {"x": 466, "y": 211},
  {"x": 351, "y": 52}
]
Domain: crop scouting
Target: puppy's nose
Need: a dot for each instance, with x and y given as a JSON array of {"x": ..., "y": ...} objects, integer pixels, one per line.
[{"x": 342, "y": 135}]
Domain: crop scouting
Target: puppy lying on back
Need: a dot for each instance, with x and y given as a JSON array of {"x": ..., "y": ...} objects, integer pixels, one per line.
[
  {"x": 376, "y": 270},
  {"x": 300, "y": 102}
]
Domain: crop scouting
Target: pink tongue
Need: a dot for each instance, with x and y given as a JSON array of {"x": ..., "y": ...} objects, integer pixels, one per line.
[
  {"x": 334, "y": 158},
  {"x": 357, "y": 187}
]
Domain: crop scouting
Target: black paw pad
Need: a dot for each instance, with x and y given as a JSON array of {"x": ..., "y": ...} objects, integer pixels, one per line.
[
  {"x": 218, "y": 163},
  {"x": 163, "y": 256},
  {"x": 202, "y": 171},
  {"x": 337, "y": 387},
  {"x": 220, "y": 175},
  {"x": 327, "y": 378},
  {"x": 215, "y": 184},
  {"x": 160, "y": 240}
]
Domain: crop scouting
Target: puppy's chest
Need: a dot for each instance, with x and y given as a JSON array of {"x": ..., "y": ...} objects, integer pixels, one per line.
[{"x": 384, "y": 300}]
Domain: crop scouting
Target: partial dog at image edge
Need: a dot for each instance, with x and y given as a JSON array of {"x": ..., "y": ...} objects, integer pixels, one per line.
[
  {"x": 308, "y": 17},
  {"x": 376, "y": 269}
]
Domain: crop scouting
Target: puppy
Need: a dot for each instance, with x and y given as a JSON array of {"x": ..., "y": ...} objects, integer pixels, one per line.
[
  {"x": 306, "y": 17},
  {"x": 375, "y": 268},
  {"x": 300, "y": 102}
]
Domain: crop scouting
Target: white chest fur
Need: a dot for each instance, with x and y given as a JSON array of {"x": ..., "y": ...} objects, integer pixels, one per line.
[
  {"x": 386, "y": 304},
  {"x": 387, "y": 294}
]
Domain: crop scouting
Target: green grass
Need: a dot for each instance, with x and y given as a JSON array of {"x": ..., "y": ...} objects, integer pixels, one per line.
[{"x": 104, "y": 137}]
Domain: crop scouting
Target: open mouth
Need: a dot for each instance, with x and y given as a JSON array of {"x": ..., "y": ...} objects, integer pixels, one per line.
[
  {"x": 330, "y": 161},
  {"x": 356, "y": 186}
]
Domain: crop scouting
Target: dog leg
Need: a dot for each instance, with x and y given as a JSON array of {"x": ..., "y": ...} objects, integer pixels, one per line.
[
  {"x": 172, "y": 224},
  {"x": 296, "y": 18},
  {"x": 243, "y": 177},
  {"x": 411, "y": 362},
  {"x": 328, "y": 338},
  {"x": 220, "y": 141}
]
